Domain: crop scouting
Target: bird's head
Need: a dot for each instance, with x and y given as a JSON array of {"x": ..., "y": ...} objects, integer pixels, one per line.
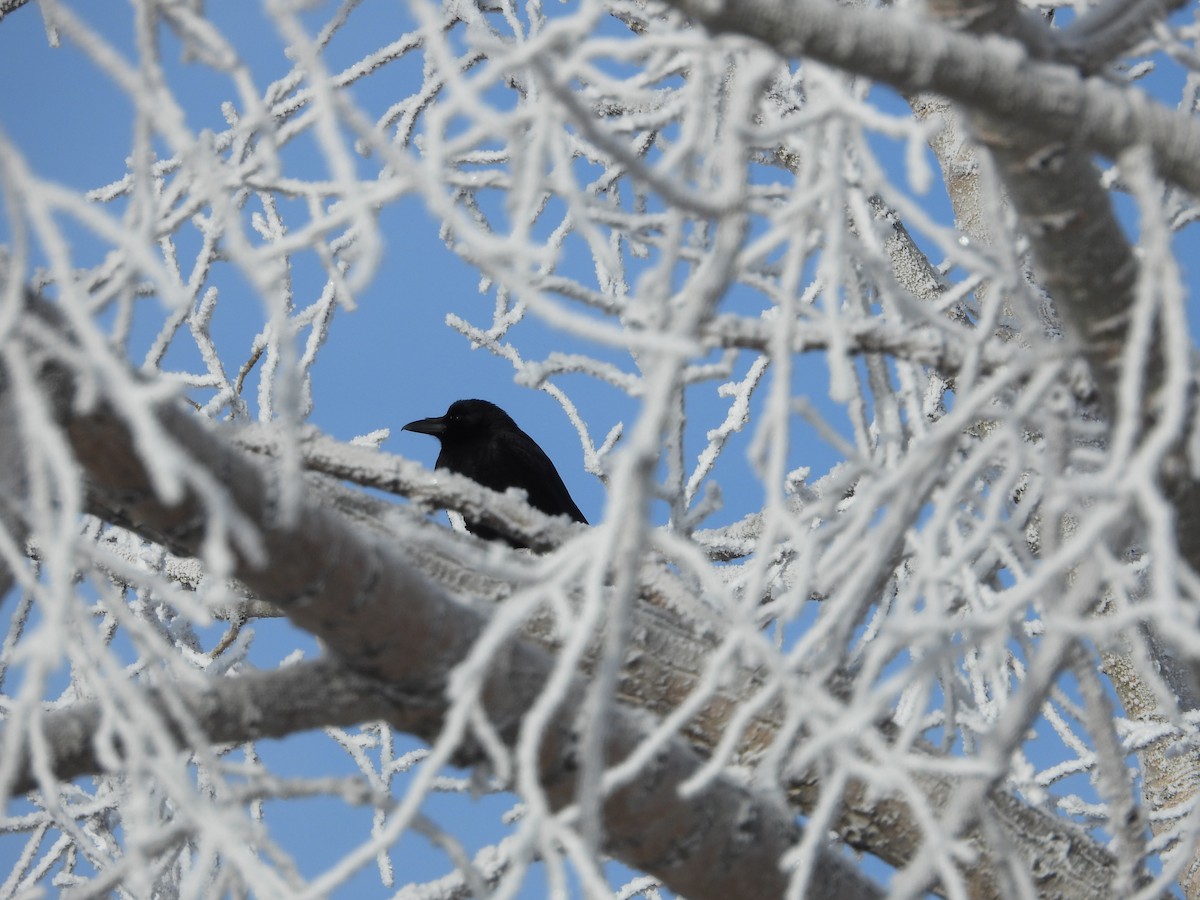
[{"x": 464, "y": 420}]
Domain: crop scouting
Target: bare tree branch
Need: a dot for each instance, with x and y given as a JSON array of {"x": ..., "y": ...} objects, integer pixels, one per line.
[
  {"x": 387, "y": 623},
  {"x": 225, "y": 710},
  {"x": 1108, "y": 29},
  {"x": 402, "y": 637},
  {"x": 747, "y": 249},
  {"x": 992, "y": 77}
]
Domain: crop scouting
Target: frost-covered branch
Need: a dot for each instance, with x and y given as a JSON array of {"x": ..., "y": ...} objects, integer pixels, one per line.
[
  {"x": 884, "y": 480},
  {"x": 508, "y": 515},
  {"x": 72, "y": 742},
  {"x": 1089, "y": 269},
  {"x": 1110, "y": 28},
  {"x": 349, "y": 613},
  {"x": 994, "y": 77},
  {"x": 350, "y": 590}
]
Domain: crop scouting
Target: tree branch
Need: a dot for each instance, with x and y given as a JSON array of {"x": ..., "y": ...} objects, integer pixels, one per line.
[
  {"x": 1089, "y": 268},
  {"x": 1109, "y": 29},
  {"x": 991, "y": 75},
  {"x": 10, "y": 6},
  {"x": 349, "y": 586},
  {"x": 387, "y": 623},
  {"x": 227, "y": 710}
]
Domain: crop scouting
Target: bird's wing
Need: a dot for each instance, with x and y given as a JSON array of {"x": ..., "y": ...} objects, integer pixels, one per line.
[{"x": 530, "y": 468}]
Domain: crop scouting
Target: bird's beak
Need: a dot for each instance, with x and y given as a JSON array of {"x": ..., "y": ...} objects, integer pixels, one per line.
[{"x": 436, "y": 427}]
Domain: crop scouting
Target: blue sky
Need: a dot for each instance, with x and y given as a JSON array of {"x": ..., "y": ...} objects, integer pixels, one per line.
[{"x": 390, "y": 361}]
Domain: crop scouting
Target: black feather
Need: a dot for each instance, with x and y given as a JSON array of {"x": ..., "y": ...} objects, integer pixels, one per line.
[{"x": 481, "y": 441}]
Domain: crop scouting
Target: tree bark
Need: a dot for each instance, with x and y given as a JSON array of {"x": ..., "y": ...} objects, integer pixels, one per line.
[{"x": 384, "y": 621}]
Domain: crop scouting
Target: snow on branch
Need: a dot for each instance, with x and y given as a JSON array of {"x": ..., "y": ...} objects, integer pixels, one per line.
[
  {"x": 895, "y": 508},
  {"x": 349, "y": 589},
  {"x": 362, "y": 589},
  {"x": 994, "y": 77}
]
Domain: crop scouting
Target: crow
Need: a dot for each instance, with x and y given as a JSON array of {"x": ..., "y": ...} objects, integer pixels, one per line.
[{"x": 481, "y": 441}]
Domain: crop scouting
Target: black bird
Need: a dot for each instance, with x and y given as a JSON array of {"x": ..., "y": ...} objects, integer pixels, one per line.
[{"x": 481, "y": 441}]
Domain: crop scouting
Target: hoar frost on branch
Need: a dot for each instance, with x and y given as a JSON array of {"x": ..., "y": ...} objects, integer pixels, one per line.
[{"x": 894, "y": 586}]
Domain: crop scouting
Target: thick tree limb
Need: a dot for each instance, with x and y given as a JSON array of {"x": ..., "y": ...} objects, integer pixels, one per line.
[
  {"x": 1108, "y": 29},
  {"x": 1040, "y": 125},
  {"x": 670, "y": 664},
  {"x": 351, "y": 587},
  {"x": 387, "y": 623},
  {"x": 1089, "y": 269},
  {"x": 992, "y": 76},
  {"x": 227, "y": 710}
]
